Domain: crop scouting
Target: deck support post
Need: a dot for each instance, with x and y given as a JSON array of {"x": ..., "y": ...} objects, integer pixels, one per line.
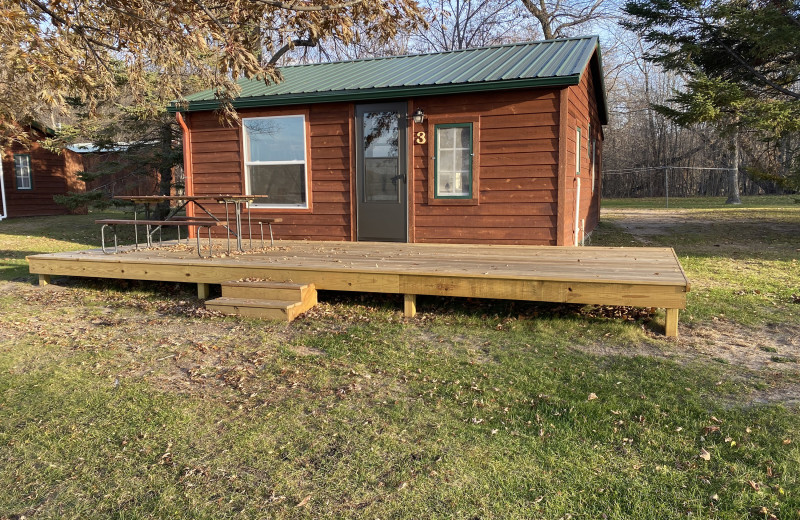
[
  {"x": 671, "y": 326},
  {"x": 410, "y": 305},
  {"x": 44, "y": 279},
  {"x": 203, "y": 291}
]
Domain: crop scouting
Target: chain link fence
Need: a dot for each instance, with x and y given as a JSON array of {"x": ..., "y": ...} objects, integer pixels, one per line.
[{"x": 673, "y": 181}]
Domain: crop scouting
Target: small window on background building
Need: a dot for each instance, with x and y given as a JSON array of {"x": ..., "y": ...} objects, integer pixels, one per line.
[
  {"x": 22, "y": 172},
  {"x": 275, "y": 161},
  {"x": 453, "y": 161}
]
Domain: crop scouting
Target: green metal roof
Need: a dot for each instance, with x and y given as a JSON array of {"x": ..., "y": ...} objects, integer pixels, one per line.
[{"x": 559, "y": 62}]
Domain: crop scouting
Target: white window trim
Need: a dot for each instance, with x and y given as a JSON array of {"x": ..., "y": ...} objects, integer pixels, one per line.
[
  {"x": 28, "y": 173},
  {"x": 578, "y": 151},
  {"x": 247, "y": 164}
]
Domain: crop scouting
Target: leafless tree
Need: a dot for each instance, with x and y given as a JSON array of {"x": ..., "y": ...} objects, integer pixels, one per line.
[
  {"x": 560, "y": 18},
  {"x": 463, "y": 24}
]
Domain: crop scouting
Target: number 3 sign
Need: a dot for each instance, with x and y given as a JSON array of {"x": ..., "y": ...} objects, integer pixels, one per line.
[{"x": 420, "y": 138}]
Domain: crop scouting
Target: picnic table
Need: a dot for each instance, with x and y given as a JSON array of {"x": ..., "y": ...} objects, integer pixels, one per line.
[{"x": 172, "y": 218}]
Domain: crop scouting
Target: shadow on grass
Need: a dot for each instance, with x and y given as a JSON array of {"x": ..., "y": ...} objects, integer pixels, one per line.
[
  {"x": 81, "y": 230},
  {"x": 13, "y": 266},
  {"x": 481, "y": 309}
]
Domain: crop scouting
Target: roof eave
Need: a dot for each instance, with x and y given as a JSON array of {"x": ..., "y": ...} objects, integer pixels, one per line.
[
  {"x": 46, "y": 130},
  {"x": 377, "y": 93}
]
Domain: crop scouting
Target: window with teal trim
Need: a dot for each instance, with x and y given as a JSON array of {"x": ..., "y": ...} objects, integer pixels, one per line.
[
  {"x": 453, "y": 161},
  {"x": 22, "y": 172}
]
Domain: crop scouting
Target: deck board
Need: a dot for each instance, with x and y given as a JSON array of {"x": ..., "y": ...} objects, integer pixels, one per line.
[{"x": 647, "y": 277}]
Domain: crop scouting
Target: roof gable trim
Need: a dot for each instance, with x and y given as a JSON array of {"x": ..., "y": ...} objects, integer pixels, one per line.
[{"x": 379, "y": 93}]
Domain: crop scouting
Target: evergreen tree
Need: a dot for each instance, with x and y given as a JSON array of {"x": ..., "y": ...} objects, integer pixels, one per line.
[{"x": 741, "y": 61}]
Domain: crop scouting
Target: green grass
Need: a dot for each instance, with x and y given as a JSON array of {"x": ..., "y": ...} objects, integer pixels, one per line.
[
  {"x": 126, "y": 400},
  {"x": 743, "y": 261},
  {"x": 758, "y": 201},
  {"x": 20, "y": 237}
]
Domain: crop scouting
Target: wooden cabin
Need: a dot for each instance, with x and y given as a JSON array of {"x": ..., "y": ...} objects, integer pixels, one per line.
[
  {"x": 32, "y": 175},
  {"x": 495, "y": 145}
]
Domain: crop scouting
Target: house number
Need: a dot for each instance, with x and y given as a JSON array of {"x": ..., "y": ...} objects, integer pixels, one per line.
[{"x": 421, "y": 139}]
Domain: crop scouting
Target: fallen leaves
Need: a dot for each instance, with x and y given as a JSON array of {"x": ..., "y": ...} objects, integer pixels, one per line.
[
  {"x": 166, "y": 457},
  {"x": 304, "y": 502},
  {"x": 705, "y": 455},
  {"x": 592, "y": 397}
]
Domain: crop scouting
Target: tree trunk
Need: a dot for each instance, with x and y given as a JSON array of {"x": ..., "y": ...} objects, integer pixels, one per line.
[
  {"x": 733, "y": 173},
  {"x": 165, "y": 169}
]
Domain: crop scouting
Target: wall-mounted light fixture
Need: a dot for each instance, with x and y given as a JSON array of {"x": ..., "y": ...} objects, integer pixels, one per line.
[{"x": 418, "y": 116}]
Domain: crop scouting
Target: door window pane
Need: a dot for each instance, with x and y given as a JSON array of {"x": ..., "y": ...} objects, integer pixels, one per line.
[
  {"x": 381, "y": 138},
  {"x": 275, "y": 160},
  {"x": 453, "y": 161},
  {"x": 381, "y": 179},
  {"x": 381, "y": 157},
  {"x": 22, "y": 172}
]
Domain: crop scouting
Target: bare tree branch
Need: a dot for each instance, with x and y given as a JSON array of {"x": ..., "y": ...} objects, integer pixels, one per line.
[
  {"x": 557, "y": 17},
  {"x": 289, "y": 46}
]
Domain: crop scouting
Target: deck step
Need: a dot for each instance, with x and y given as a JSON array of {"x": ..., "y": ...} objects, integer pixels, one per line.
[
  {"x": 279, "y": 310},
  {"x": 270, "y": 300},
  {"x": 269, "y": 291}
]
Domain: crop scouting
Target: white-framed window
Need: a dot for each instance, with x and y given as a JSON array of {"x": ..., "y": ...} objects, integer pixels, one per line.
[
  {"x": 578, "y": 151},
  {"x": 22, "y": 171},
  {"x": 275, "y": 161},
  {"x": 453, "y": 161}
]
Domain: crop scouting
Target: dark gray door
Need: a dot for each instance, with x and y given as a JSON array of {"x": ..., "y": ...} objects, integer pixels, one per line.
[{"x": 382, "y": 211}]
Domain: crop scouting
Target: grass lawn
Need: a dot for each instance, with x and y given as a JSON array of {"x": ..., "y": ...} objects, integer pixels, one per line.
[
  {"x": 129, "y": 400},
  {"x": 771, "y": 201}
]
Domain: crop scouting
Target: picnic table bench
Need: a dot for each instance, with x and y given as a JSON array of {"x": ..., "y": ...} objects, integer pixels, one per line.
[
  {"x": 260, "y": 222},
  {"x": 177, "y": 221},
  {"x": 149, "y": 224}
]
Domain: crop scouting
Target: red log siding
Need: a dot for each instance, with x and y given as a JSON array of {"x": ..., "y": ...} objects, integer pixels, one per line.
[
  {"x": 583, "y": 113},
  {"x": 51, "y": 174},
  {"x": 516, "y": 159},
  {"x": 218, "y": 167}
]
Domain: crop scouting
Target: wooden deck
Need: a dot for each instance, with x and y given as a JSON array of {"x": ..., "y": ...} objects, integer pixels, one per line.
[{"x": 642, "y": 277}]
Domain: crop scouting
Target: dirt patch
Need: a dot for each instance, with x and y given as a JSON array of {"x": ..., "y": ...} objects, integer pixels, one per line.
[
  {"x": 303, "y": 350},
  {"x": 643, "y": 224},
  {"x": 775, "y": 348},
  {"x": 768, "y": 355},
  {"x": 646, "y": 224}
]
